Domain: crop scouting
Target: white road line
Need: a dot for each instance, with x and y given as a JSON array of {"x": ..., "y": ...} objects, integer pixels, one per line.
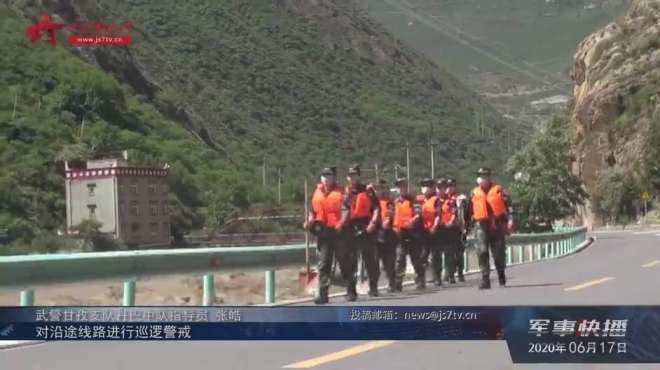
[
  {"x": 645, "y": 232},
  {"x": 651, "y": 264},
  {"x": 12, "y": 343},
  {"x": 589, "y": 284}
]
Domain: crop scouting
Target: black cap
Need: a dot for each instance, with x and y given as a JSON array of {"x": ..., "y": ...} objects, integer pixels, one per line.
[
  {"x": 426, "y": 182},
  {"x": 400, "y": 181},
  {"x": 329, "y": 171},
  {"x": 451, "y": 182},
  {"x": 354, "y": 170},
  {"x": 484, "y": 171},
  {"x": 441, "y": 182}
]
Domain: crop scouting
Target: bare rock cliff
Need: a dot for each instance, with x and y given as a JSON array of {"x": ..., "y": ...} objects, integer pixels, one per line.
[{"x": 616, "y": 92}]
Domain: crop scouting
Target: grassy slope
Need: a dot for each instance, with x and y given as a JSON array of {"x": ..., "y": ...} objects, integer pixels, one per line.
[
  {"x": 246, "y": 80},
  {"x": 535, "y": 31}
]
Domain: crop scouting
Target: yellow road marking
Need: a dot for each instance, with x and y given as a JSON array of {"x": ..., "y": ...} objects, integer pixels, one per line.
[
  {"x": 589, "y": 283},
  {"x": 352, "y": 351},
  {"x": 651, "y": 264}
]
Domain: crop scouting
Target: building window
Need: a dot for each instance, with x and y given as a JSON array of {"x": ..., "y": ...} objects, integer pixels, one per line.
[
  {"x": 166, "y": 228},
  {"x": 164, "y": 188},
  {"x": 124, "y": 229},
  {"x": 135, "y": 227},
  {"x": 135, "y": 210},
  {"x": 92, "y": 210},
  {"x": 90, "y": 189},
  {"x": 122, "y": 208},
  {"x": 153, "y": 227},
  {"x": 134, "y": 188},
  {"x": 151, "y": 187},
  {"x": 166, "y": 208},
  {"x": 122, "y": 188},
  {"x": 153, "y": 208}
]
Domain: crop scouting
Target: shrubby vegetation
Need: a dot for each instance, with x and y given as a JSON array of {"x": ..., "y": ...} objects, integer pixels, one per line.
[
  {"x": 233, "y": 82},
  {"x": 544, "y": 185}
]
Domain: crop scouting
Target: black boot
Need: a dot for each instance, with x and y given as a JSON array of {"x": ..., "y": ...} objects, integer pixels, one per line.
[
  {"x": 452, "y": 280},
  {"x": 351, "y": 294},
  {"x": 322, "y": 298},
  {"x": 373, "y": 291},
  {"x": 501, "y": 278},
  {"x": 461, "y": 278},
  {"x": 438, "y": 280},
  {"x": 420, "y": 283},
  {"x": 485, "y": 281},
  {"x": 391, "y": 288}
]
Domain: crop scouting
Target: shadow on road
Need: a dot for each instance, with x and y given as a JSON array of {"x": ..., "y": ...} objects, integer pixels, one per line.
[{"x": 532, "y": 285}]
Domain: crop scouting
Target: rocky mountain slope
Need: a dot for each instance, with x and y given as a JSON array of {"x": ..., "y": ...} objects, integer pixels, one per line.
[
  {"x": 515, "y": 53},
  {"x": 616, "y": 109}
]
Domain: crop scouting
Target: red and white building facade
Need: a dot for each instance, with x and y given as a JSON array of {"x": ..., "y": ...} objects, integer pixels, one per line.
[{"x": 131, "y": 203}]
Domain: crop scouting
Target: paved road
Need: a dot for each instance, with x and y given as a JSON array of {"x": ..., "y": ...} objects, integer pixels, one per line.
[{"x": 622, "y": 267}]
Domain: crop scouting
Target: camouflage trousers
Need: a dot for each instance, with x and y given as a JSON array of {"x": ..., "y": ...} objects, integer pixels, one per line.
[{"x": 490, "y": 241}]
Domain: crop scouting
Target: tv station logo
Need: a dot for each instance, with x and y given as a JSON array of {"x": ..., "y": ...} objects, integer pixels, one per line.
[
  {"x": 581, "y": 337},
  {"x": 81, "y": 33}
]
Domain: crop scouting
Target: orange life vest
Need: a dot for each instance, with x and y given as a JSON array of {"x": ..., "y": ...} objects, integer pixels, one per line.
[
  {"x": 361, "y": 205},
  {"x": 403, "y": 212},
  {"x": 482, "y": 200},
  {"x": 384, "y": 210},
  {"x": 446, "y": 212},
  {"x": 429, "y": 211},
  {"x": 327, "y": 206}
]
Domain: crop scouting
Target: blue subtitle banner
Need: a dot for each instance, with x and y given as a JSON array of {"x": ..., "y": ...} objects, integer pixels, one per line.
[{"x": 534, "y": 334}]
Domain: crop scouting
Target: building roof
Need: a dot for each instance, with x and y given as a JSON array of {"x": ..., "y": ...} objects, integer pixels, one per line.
[{"x": 115, "y": 171}]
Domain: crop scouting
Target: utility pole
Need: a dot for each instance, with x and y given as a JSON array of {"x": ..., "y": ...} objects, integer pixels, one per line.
[
  {"x": 432, "y": 161},
  {"x": 13, "y": 113},
  {"x": 482, "y": 127},
  {"x": 279, "y": 186},
  {"x": 376, "y": 168},
  {"x": 396, "y": 172},
  {"x": 263, "y": 172},
  {"x": 408, "y": 166},
  {"x": 305, "y": 216}
]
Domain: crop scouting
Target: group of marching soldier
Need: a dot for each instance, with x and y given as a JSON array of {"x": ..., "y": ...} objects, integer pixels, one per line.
[{"x": 365, "y": 219}]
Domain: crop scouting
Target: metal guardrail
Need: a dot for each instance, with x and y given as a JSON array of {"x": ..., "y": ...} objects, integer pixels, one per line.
[{"x": 25, "y": 272}]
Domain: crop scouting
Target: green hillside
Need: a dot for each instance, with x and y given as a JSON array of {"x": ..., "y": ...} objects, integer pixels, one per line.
[
  {"x": 214, "y": 87},
  {"x": 515, "y": 52}
]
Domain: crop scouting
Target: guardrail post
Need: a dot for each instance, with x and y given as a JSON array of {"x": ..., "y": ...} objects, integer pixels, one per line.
[
  {"x": 465, "y": 261},
  {"x": 521, "y": 254},
  {"x": 545, "y": 249},
  {"x": 27, "y": 297},
  {"x": 208, "y": 284},
  {"x": 509, "y": 257},
  {"x": 129, "y": 293},
  {"x": 270, "y": 286}
]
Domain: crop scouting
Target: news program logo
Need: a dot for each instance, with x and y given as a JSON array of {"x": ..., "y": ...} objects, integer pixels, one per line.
[{"x": 81, "y": 33}]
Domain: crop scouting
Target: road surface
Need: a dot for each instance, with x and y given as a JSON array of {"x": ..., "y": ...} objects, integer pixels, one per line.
[{"x": 621, "y": 267}]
